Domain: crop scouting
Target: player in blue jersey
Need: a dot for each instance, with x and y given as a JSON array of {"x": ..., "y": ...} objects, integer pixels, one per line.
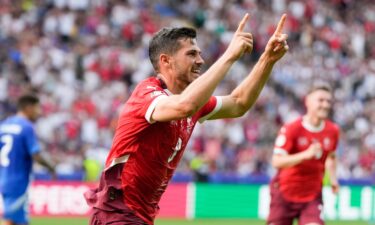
[{"x": 18, "y": 149}]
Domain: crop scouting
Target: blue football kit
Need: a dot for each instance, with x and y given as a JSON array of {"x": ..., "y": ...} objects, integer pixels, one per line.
[{"x": 18, "y": 143}]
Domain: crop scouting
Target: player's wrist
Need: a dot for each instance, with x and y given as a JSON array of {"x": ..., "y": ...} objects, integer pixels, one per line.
[
  {"x": 228, "y": 57},
  {"x": 334, "y": 181},
  {"x": 51, "y": 169},
  {"x": 267, "y": 58}
]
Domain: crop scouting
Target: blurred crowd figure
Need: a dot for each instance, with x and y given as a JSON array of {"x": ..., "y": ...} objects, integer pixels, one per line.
[{"x": 83, "y": 58}]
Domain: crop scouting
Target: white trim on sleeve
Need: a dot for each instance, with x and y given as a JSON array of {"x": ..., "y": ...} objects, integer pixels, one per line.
[
  {"x": 280, "y": 151},
  {"x": 152, "y": 107},
  {"x": 219, "y": 104},
  {"x": 115, "y": 161}
]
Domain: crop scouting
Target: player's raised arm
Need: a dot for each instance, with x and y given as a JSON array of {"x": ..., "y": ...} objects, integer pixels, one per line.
[
  {"x": 191, "y": 97},
  {"x": 244, "y": 96}
]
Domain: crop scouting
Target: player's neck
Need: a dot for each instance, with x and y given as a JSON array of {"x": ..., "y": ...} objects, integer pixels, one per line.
[
  {"x": 172, "y": 84},
  {"x": 23, "y": 115},
  {"x": 312, "y": 120}
]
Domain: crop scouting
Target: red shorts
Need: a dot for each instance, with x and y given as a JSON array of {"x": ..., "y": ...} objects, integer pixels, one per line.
[
  {"x": 283, "y": 212},
  {"x": 107, "y": 201}
]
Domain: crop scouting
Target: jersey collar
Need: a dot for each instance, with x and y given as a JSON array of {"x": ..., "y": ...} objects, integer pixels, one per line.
[
  {"x": 164, "y": 85},
  {"x": 168, "y": 92},
  {"x": 312, "y": 128}
]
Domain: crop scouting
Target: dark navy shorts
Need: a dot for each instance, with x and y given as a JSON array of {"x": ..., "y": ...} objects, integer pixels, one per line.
[{"x": 107, "y": 201}]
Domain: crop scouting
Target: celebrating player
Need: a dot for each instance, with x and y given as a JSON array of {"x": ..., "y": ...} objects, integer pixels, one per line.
[
  {"x": 18, "y": 148},
  {"x": 158, "y": 119},
  {"x": 303, "y": 150}
]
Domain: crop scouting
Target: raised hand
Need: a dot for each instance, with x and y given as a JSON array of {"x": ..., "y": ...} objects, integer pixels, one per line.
[
  {"x": 241, "y": 42},
  {"x": 335, "y": 186},
  {"x": 277, "y": 46},
  {"x": 314, "y": 151}
]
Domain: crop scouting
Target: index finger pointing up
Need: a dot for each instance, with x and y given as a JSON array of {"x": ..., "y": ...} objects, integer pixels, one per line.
[
  {"x": 280, "y": 26},
  {"x": 242, "y": 24}
]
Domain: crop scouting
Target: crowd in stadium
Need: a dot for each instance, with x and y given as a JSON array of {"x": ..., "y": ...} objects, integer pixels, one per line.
[{"x": 84, "y": 58}]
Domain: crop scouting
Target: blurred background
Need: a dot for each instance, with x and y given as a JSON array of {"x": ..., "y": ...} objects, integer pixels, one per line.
[{"x": 84, "y": 58}]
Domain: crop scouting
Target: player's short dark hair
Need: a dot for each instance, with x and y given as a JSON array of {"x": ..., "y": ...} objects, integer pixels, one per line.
[
  {"x": 323, "y": 86},
  {"x": 27, "y": 100},
  {"x": 166, "y": 41}
]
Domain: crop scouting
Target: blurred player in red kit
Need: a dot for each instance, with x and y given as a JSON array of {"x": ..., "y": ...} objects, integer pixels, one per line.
[
  {"x": 303, "y": 150},
  {"x": 159, "y": 117}
]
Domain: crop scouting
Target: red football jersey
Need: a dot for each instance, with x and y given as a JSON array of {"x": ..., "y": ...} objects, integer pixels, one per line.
[
  {"x": 303, "y": 182},
  {"x": 154, "y": 149}
]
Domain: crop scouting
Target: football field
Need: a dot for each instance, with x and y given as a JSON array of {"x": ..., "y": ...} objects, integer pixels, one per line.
[{"x": 80, "y": 221}]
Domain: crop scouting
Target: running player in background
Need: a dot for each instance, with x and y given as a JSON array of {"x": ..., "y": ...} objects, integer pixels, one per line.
[
  {"x": 159, "y": 117},
  {"x": 18, "y": 148},
  {"x": 304, "y": 149}
]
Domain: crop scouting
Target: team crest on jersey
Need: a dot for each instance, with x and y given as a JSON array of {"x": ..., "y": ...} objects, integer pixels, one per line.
[
  {"x": 303, "y": 141},
  {"x": 327, "y": 143}
]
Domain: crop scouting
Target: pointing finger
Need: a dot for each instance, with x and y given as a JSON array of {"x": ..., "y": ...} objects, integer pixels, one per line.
[
  {"x": 280, "y": 26},
  {"x": 242, "y": 24}
]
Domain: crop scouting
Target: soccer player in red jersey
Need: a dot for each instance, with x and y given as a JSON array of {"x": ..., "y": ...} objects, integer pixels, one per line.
[
  {"x": 303, "y": 150},
  {"x": 159, "y": 117}
]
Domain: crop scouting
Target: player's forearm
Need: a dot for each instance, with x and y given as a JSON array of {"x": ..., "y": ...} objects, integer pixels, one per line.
[
  {"x": 331, "y": 167},
  {"x": 41, "y": 160},
  {"x": 200, "y": 90},
  {"x": 285, "y": 161},
  {"x": 248, "y": 91}
]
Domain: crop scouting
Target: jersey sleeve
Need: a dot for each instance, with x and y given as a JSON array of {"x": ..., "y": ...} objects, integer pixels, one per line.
[
  {"x": 32, "y": 144},
  {"x": 284, "y": 141},
  {"x": 213, "y": 105},
  {"x": 147, "y": 97}
]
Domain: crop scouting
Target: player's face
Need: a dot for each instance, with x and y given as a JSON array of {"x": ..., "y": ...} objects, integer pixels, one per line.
[
  {"x": 319, "y": 103},
  {"x": 187, "y": 62}
]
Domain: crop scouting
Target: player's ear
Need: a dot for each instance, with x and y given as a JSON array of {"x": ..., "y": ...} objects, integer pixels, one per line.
[
  {"x": 164, "y": 60},
  {"x": 305, "y": 100}
]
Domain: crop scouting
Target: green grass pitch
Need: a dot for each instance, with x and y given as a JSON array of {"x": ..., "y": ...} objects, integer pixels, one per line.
[{"x": 80, "y": 221}]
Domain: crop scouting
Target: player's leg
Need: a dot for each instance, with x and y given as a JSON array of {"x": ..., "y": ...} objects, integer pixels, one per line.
[
  {"x": 7, "y": 222},
  {"x": 282, "y": 212},
  {"x": 312, "y": 213},
  {"x": 16, "y": 209}
]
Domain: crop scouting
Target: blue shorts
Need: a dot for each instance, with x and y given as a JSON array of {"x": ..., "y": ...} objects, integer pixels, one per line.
[{"x": 16, "y": 208}]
